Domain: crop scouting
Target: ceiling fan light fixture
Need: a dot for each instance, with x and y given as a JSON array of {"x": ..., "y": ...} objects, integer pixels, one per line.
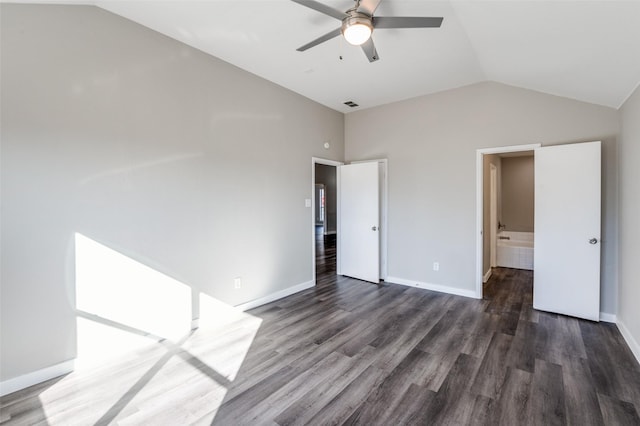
[{"x": 357, "y": 28}]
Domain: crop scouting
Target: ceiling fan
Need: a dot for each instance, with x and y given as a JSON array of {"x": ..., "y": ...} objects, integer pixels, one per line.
[{"x": 358, "y": 23}]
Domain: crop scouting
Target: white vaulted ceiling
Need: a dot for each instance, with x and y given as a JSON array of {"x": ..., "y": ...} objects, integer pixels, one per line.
[{"x": 585, "y": 50}]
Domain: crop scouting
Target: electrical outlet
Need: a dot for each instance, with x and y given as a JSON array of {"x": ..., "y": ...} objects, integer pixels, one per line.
[
  {"x": 436, "y": 266},
  {"x": 237, "y": 282}
]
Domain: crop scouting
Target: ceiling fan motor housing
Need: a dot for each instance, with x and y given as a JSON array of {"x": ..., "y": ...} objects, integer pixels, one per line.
[{"x": 357, "y": 27}]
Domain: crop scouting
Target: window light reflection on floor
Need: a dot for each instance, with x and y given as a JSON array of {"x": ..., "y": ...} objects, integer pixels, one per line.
[{"x": 234, "y": 330}]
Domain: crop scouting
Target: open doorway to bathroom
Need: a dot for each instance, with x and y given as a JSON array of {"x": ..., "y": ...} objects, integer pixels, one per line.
[
  {"x": 509, "y": 224},
  {"x": 567, "y": 214},
  {"x": 506, "y": 219}
]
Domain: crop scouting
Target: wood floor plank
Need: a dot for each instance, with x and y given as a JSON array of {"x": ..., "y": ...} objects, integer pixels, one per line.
[
  {"x": 547, "y": 395},
  {"x": 452, "y": 332},
  {"x": 232, "y": 410},
  {"x": 453, "y": 403},
  {"x": 413, "y": 407},
  {"x": 387, "y": 321},
  {"x": 381, "y": 401},
  {"x": 613, "y": 369},
  {"x": 303, "y": 410},
  {"x": 341, "y": 408},
  {"x": 616, "y": 412},
  {"x": 270, "y": 406},
  {"x": 581, "y": 400},
  {"x": 492, "y": 373},
  {"x": 481, "y": 336},
  {"x": 565, "y": 340},
  {"x": 250, "y": 378},
  {"x": 394, "y": 348},
  {"x": 522, "y": 351},
  {"x": 513, "y": 403},
  {"x": 483, "y": 411},
  {"x": 436, "y": 370}
]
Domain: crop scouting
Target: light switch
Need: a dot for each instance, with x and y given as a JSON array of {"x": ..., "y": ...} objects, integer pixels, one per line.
[{"x": 307, "y": 202}]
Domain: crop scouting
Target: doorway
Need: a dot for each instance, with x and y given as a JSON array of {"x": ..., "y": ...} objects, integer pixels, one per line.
[
  {"x": 509, "y": 225},
  {"x": 567, "y": 217},
  {"x": 328, "y": 234},
  {"x": 325, "y": 217},
  {"x": 488, "y": 209}
]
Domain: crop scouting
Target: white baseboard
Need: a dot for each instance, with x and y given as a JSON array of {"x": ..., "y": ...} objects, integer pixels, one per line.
[
  {"x": 608, "y": 317},
  {"x": 275, "y": 296},
  {"x": 633, "y": 343},
  {"x": 35, "y": 377},
  {"x": 434, "y": 287},
  {"x": 486, "y": 276}
]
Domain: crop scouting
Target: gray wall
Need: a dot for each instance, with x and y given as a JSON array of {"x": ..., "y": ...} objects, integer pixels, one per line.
[
  {"x": 517, "y": 193},
  {"x": 167, "y": 155},
  {"x": 326, "y": 175},
  {"x": 629, "y": 313},
  {"x": 431, "y": 144}
]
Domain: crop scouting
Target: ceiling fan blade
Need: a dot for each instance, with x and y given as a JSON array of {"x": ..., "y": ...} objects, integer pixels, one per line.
[
  {"x": 369, "y": 49},
  {"x": 322, "y": 8},
  {"x": 406, "y": 22},
  {"x": 369, "y": 6},
  {"x": 321, "y": 39}
]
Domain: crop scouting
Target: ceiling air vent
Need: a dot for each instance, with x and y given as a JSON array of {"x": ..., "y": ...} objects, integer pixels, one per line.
[{"x": 351, "y": 104}]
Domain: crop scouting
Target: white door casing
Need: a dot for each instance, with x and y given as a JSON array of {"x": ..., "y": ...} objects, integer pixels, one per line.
[
  {"x": 359, "y": 232},
  {"x": 567, "y": 230},
  {"x": 493, "y": 215}
]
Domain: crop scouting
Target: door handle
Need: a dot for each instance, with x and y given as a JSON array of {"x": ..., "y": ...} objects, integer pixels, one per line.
[
  {"x": 593, "y": 241},
  {"x": 374, "y": 228}
]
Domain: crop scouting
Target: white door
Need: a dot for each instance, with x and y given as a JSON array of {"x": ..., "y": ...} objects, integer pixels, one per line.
[
  {"x": 567, "y": 230},
  {"x": 359, "y": 221}
]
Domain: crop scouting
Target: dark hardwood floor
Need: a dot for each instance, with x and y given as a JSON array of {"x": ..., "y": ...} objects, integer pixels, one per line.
[
  {"x": 325, "y": 255},
  {"x": 349, "y": 352}
]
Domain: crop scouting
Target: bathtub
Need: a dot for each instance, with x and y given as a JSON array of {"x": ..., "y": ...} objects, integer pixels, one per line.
[{"x": 516, "y": 251}]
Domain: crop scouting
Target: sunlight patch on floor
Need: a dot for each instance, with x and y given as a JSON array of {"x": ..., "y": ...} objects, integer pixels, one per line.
[{"x": 234, "y": 330}]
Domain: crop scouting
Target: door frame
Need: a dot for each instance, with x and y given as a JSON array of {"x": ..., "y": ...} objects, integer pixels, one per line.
[
  {"x": 480, "y": 201},
  {"x": 493, "y": 214},
  {"x": 326, "y": 162}
]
